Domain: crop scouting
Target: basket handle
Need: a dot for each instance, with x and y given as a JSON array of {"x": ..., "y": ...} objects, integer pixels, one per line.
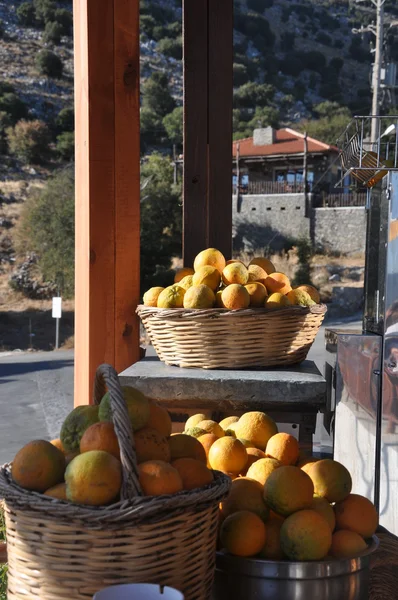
[{"x": 107, "y": 378}]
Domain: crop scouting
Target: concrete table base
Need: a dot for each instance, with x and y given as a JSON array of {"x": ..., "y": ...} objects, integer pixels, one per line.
[{"x": 291, "y": 396}]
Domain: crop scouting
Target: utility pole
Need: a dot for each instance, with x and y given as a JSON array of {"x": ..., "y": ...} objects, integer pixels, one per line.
[
  {"x": 237, "y": 176},
  {"x": 305, "y": 172},
  {"x": 378, "y": 32}
]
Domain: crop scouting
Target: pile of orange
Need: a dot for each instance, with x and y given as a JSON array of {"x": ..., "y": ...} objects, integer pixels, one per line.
[
  {"x": 282, "y": 504},
  {"x": 216, "y": 282},
  {"x": 83, "y": 465}
]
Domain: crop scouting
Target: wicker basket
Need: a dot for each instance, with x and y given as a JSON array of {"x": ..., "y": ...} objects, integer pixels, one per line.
[
  {"x": 221, "y": 338},
  {"x": 62, "y": 551}
]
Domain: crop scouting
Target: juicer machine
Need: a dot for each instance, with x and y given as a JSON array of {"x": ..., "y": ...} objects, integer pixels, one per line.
[{"x": 362, "y": 366}]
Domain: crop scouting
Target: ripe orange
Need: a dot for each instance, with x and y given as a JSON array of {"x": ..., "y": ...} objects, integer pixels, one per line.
[
  {"x": 257, "y": 428},
  {"x": 262, "y": 469},
  {"x": 100, "y": 436},
  {"x": 347, "y": 544},
  {"x": 253, "y": 455},
  {"x": 272, "y": 548},
  {"x": 313, "y": 292},
  {"x": 186, "y": 446},
  {"x": 151, "y": 445},
  {"x": 235, "y": 273},
  {"x": 305, "y": 535},
  {"x": 93, "y": 478},
  {"x": 331, "y": 479},
  {"x": 193, "y": 473},
  {"x": 158, "y": 478},
  {"x": 264, "y": 263},
  {"x": 228, "y": 454},
  {"x": 183, "y": 272},
  {"x": 38, "y": 466},
  {"x": 235, "y": 297},
  {"x": 358, "y": 514},
  {"x": 207, "y": 440},
  {"x": 284, "y": 447},
  {"x": 159, "y": 419},
  {"x": 278, "y": 282},
  {"x": 257, "y": 292},
  {"x": 245, "y": 494},
  {"x": 322, "y": 507},
  {"x": 211, "y": 257},
  {"x": 287, "y": 490},
  {"x": 243, "y": 534},
  {"x": 211, "y": 427}
]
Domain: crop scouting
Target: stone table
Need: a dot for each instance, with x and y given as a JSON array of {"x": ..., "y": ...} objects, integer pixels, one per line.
[{"x": 290, "y": 395}]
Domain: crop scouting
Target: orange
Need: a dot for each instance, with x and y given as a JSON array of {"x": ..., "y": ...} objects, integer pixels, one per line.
[
  {"x": 186, "y": 282},
  {"x": 347, "y": 544},
  {"x": 228, "y": 455},
  {"x": 151, "y": 445},
  {"x": 218, "y": 302},
  {"x": 183, "y": 272},
  {"x": 277, "y": 299},
  {"x": 193, "y": 473},
  {"x": 38, "y": 466},
  {"x": 75, "y": 424},
  {"x": 212, "y": 257},
  {"x": 235, "y": 297},
  {"x": 207, "y": 440},
  {"x": 262, "y": 469},
  {"x": 257, "y": 428},
  {"x": 264, "y": 263},
  {"x": 256, "y": 273},
  {"x": 158, "y": 478},
  {"x": 358, "y": 514},
  {"x": 137, "y": 407},
  {"x": 100, "y": 436},
  {"x": 305, "y": 535},
  {"x": 253, "y": 455},
  {"x": 300, "y": 298},
  {"x": 208, "y": 276},
  {"x": 199, "y": 296},
  {"x": 331, "y": 479},
  {"x": 194, "y": 420},
  {"x": 243, "y": 534},
  {"x": 57, "y": 491},
  {"x": 150, "y": 297},
  {"x": 287, "y": 490},
  {"x": 225, "y": 423},
  {"x": 235, "y": 273},
  {"x": 234, "y": 260},
  {"x": 245, "y": 494},
  {"x": 58, "y": 444},
  {"x": 186, "y": 446},
  {"x": 284, "y": 447},
  {"x": 159, "y": 419},
  {"x": 313, "y": 292},
  {"x": 211, "y": 427},
  {"x": 272, "y": 548},
  {"x": 257, "y": 293},
  {"x": 171, "y": 297},
  {"x": 322, "y": 507},
  {"x": 278, "y": 282},
  {"x": 93, "y": 478}
]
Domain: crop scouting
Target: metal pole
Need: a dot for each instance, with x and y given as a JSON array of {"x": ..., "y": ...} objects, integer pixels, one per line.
[
  {"x": 175, "y": 164},
  {"x": 56, "y": 334},
  {"x": 305, "y": 171},
  {"x": 377, "y": 67},
  {"x": 237, "y": 176}
]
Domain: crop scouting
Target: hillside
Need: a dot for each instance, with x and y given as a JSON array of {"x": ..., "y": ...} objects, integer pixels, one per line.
[{"x": 295, "y": 62}]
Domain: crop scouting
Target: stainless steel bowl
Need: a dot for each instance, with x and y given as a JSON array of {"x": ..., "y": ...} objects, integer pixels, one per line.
[{"x": 254, "y": 579}]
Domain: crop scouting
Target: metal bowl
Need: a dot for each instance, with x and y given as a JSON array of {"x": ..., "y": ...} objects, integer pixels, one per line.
[{"x": 334, "y": 579}]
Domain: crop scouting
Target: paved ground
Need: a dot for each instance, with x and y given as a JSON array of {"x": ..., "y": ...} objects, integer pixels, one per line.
[{"x": 36, "y": 393}]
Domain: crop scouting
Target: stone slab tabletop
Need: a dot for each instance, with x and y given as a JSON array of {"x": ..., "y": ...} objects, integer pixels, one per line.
[{"x": 299, "y": 385}]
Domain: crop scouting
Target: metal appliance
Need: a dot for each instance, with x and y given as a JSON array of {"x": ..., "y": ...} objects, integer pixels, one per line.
[{"x": 362, "y": 366}]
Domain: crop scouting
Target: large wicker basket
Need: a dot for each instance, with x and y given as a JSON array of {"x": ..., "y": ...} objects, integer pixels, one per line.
[
  {"x": 62, "y": 551},
  {"x": 220, "y": 338}
]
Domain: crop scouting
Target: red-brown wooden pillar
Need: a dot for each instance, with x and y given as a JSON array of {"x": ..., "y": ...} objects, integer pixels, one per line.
[
  {"x": 207, "y": 188},
  {"x": 107, "y": 187}
]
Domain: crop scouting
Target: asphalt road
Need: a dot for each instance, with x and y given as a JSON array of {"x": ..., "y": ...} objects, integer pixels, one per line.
[{"x": 36, "y": 394}]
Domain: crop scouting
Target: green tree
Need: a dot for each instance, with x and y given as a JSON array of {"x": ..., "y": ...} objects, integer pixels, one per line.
[
  {"x": 11, "y": 104},
  {"x": 161, "y": 221},
  {"x": 53, "y": 32},
  {"x": 253, "y": 94},
  {"x": 45, "y": 10},
  {"x": 152, "y": 129},
  {"x": 26, "y": 14},
  {"x": 65, "y": 120},
  {"x": 47, "y": 227},
  {"x": 332, "y": 121},
  {"x": 156, "y": 94},
  {"x": 173, "y": 126},
  {"x": 171, "y": 47},
  {"x": 66, "y": 146},
  {"x": 264, "y": 117},
  {"x": 49, "y": 64},
  {"x": 29, "y": 141}
]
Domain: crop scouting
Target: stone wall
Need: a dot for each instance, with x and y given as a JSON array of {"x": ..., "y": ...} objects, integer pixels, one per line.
[
  {"x": 273, "y": 220},
  {"x": 340, "y": 229}
]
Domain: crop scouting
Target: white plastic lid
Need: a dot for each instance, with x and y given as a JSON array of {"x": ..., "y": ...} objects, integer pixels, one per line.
[{"x": 138, "y": 591}]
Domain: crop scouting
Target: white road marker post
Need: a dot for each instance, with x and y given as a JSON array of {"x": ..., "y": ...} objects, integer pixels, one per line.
[{"x": 57, "y": 313}]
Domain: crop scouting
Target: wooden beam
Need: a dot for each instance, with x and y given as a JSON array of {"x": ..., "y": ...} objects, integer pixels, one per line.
[
  {"x": 195, "y": 236},
  {"x": 105, "y": 116},
  {"x": 220, "y": 82},
  {"x": 208, "y": 87}
]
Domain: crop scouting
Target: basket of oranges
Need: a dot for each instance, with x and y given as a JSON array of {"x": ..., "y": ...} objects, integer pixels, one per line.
[
  {"x": 115, "y": 500},
  {"x": 222, "y": 314}
]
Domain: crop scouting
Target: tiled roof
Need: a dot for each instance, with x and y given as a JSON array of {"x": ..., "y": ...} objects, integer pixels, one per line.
[{"x": 287, "y": 141}]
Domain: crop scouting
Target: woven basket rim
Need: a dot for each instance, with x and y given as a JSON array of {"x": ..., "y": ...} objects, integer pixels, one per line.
[
  {"x": 181, "y": 313},
  {"x": 138, "y": 510}
]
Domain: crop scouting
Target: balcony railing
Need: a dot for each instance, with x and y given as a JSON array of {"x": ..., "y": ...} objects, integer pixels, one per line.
[
  {"x": 269, "y": 187},
  {"x": 339, "y": 200}
]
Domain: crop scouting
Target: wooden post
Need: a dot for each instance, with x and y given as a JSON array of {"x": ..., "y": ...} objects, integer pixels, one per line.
[
  {"x": 207, "y": 187},
  {"x": 107, "y": 187}
]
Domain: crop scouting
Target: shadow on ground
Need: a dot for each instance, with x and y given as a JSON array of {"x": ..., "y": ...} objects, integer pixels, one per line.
[
  {"x": 19, "y": 368},
  {"x": 16, "y": 327}
]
